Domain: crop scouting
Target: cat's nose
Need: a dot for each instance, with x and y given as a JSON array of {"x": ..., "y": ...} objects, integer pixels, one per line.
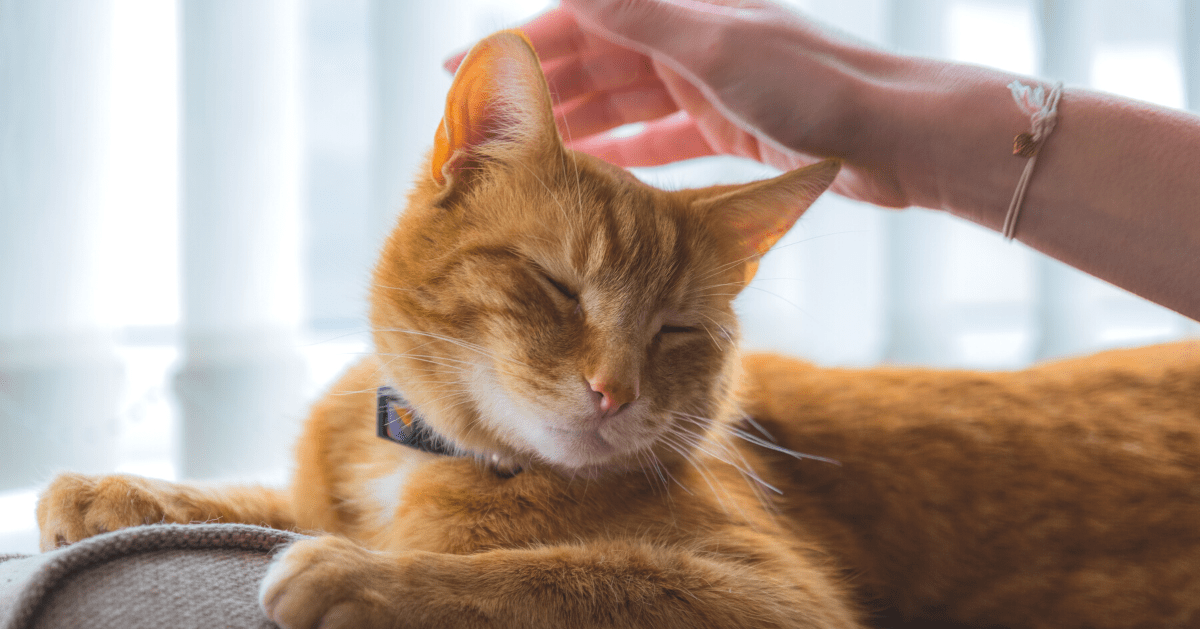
[{"x": 613, "y": 394}]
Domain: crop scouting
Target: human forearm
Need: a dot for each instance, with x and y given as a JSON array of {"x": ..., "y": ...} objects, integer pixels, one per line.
[{"x": 1114, "y": 190}]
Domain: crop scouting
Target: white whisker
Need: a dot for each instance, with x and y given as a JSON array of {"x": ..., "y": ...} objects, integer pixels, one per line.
[{"x": 459, "y": 342}]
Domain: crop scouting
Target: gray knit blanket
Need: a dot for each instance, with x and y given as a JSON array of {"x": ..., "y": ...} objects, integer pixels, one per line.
[{"x": 181, "y": 576}]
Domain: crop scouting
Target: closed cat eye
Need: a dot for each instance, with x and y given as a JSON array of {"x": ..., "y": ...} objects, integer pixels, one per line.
[
  {"x": 560, "y": 287},
  {"x": 677, "y": 329}
]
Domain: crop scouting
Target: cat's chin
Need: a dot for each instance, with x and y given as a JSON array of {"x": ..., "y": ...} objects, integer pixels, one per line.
[{"x": 575, "y": 449}]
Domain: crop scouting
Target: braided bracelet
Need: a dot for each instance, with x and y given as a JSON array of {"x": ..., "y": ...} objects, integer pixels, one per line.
[{"x": 1043, "y": 113}]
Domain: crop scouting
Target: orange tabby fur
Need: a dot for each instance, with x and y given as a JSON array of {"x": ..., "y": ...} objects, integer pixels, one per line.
[{"x": 550, "y": 314}]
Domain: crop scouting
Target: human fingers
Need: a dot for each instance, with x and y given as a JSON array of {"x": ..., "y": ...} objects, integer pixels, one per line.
[
  {"x": 554, "y": 34},
  {"x": 607, "y": 67},
  {"x": 453, "y": 61},
  {"x": 656, "y": 28},
  {"x": 662, "y": 141},
  {"x": 602, "y": 111}
]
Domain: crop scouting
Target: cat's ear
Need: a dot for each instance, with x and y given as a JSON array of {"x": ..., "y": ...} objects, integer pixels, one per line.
[
  {"x": 758, "y": 214},
  {"x": 498, "y": 106}
]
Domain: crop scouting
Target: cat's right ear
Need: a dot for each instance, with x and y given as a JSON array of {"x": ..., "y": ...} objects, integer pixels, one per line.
[
  {"x": 498, "y": 107},
  {"x": 756, "y": 215}
]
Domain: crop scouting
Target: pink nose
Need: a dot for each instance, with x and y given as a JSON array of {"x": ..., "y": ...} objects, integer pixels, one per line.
[{"x": 613, "y": 394}]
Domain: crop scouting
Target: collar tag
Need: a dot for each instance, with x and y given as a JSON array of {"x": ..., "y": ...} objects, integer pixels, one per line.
[
  {"x": 395, "y": 421},
  {"x": 387, "y": 421}
]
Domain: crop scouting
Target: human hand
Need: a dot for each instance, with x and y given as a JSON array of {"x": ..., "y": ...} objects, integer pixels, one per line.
[{"x": 752, "y": 80}]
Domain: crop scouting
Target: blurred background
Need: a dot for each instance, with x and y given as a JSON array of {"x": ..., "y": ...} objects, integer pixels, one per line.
[{"x": 192, "y": 194}]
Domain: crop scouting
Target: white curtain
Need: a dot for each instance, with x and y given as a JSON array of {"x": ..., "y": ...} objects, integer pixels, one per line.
[{"x": 192, "y": 194}]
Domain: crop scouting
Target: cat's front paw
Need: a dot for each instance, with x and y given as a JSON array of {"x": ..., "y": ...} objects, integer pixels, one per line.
[
  {"x": 329, "y": 582},
  {"x": 77, "y": 506}
]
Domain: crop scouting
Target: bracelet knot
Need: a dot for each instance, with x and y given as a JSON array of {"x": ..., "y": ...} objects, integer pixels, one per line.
[{"x": 1043, "y": 114}]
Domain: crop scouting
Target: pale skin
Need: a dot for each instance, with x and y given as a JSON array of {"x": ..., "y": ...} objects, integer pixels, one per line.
[{"x": 1114, "y": 193}]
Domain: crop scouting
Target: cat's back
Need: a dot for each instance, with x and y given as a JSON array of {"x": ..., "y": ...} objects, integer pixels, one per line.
[
  {"x": 1029, "y": 498},
  {"x": 773, "y": 382},
  {"x": 1140, "y": 394}
]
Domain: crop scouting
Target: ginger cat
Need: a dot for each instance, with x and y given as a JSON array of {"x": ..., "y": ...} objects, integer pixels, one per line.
[{"x": 560, "y": 354}]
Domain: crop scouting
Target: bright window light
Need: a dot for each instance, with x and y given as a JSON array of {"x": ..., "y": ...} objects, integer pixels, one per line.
[
  {"x": 141, "y": 213},
  {"x": 992, "y": 34},
  {"x": 1149, "y": 72}
]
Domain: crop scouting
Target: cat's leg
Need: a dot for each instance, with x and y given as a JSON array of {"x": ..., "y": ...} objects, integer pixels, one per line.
[
  {"x": 76, "y": 506},
  {"x": 331, "y": 582}
]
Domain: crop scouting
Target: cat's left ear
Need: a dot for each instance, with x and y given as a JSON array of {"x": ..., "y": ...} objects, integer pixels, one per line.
[
  {"x": 498, "y": 107},
  {"x": 758, "y": 214}
]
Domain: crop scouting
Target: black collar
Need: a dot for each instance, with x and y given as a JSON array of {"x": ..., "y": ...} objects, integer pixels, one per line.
[{"x": 396, "y": 421}]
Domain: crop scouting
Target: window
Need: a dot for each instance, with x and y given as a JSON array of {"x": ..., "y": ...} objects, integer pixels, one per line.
[{"x": 112, "y": 285}]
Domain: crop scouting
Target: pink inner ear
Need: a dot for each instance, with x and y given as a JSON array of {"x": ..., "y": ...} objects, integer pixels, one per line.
[
  {"x": 760, "y": 213},
  {"x": 760, "y": 228},
  {"x": 760, "y": 218},
  {"x": 497, "y": 92}
]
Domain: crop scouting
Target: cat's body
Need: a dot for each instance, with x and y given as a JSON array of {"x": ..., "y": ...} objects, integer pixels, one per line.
[
  {"x": 1064, "y": 495},
  {"x": 569, "y": 331}
]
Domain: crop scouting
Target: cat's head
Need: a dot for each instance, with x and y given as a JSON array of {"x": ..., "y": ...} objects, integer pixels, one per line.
[{"x": 541, "y": 305}]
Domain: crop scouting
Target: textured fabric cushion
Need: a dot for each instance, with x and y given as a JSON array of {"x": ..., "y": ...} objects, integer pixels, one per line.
[{"x": 200, "y": 575}]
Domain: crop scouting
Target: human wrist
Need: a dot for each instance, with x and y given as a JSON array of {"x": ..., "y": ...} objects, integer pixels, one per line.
[
  {"x": 838, "y": 107},
  {"x": 872, "y": 104},
  {"x": 952, "y": 142}
]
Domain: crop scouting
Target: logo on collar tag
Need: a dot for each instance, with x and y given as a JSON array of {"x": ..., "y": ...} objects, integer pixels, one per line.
[
  {"x": 390, "y": 424},
  {"x": 395, "y": 421}
]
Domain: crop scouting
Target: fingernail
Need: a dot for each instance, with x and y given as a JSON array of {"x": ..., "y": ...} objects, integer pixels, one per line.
[{"x": 453, "y": 61}]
